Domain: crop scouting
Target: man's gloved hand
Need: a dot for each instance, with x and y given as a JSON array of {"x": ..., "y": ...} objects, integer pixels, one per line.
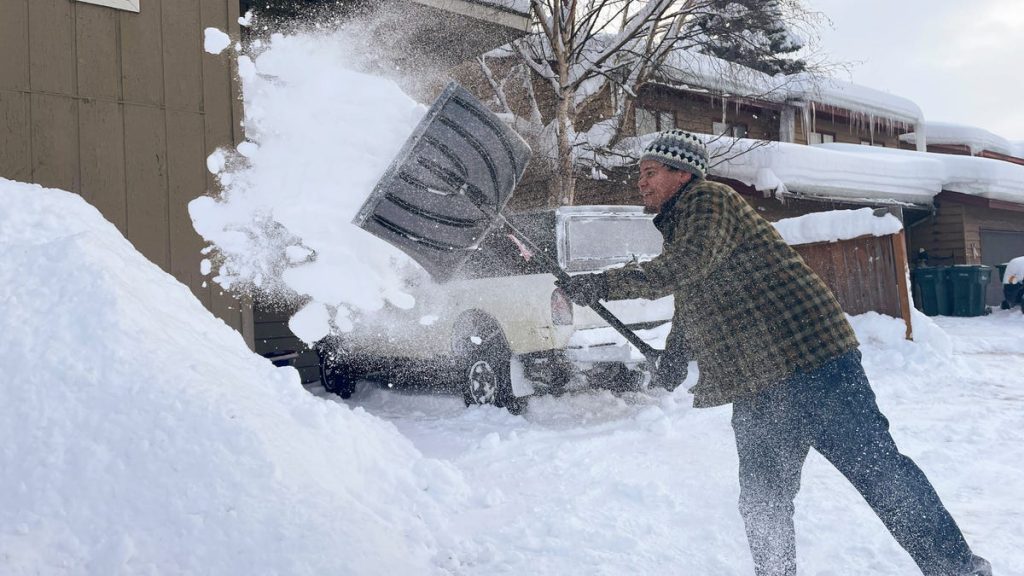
[
  {"x": 584, "y": 289},
  {"x": 670, "y": 373}
]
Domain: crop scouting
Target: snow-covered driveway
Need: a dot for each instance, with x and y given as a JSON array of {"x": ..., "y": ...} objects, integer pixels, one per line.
[{"x": 600, "y": 484}]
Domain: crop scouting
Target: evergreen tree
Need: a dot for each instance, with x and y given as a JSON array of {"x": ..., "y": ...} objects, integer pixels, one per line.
[{"x": 753, "y": 33}]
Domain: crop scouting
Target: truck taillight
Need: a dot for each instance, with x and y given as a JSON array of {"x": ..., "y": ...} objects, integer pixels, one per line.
[{"x": 561, "y": 308}]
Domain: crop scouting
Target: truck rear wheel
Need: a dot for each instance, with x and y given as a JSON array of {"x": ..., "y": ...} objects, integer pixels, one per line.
[
  {"x": 486, "y": 367},
  {"x": 337, "y": 375}
]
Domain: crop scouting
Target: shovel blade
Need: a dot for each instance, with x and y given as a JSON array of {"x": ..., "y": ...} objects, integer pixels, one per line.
[{"x": 448, "y": 186}]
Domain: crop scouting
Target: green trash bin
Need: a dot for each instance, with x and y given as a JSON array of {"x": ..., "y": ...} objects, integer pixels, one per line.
[
  {"x": 967, "y": 286},
  {"x": 929, "y": 285}
]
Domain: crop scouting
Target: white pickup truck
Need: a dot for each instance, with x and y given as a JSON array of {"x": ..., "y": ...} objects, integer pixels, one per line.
[{"x": 501, "y": 327}]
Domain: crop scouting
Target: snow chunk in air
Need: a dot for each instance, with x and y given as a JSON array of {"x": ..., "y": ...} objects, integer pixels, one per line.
[{"x": 215, "y": 41}]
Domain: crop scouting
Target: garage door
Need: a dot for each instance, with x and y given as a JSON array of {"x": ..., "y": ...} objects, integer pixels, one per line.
[{"x": 997, "y": 247}]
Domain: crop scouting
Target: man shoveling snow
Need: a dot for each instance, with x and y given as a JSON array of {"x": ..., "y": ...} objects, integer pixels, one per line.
[{"x": 787, "y": 361}]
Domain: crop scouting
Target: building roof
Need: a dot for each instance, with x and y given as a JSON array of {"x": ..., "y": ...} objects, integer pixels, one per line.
[
  {"x": 692, "y": 70},
  {"x": 857, "y": 172},
  {"x": 976, "y": 139}
]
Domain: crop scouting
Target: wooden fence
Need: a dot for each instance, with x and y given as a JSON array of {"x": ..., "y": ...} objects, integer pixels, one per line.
[{"x": 868, "y": 273}]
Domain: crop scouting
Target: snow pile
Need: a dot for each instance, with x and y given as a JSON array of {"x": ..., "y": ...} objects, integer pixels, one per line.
[
  {"x": 1014, "y": 273},
  {"x": 141, "y": 436},
  {"x": 320, "y": 134},
  {"x": 836, "y": 225}
]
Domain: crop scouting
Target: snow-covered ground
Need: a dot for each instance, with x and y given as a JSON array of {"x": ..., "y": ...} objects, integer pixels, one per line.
[
  {"x": 141, "y": 436},
  {"x": 595, "y": 483}
]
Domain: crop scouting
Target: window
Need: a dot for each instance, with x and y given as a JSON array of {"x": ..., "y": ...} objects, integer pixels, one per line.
[
  {"x": 821, "y": 138},
  {"x": 734, "y": 130},
  {"x": 869, "y": 143},
  {"x": 130, "y": 5},
  {"x": 648, "y": 121}
]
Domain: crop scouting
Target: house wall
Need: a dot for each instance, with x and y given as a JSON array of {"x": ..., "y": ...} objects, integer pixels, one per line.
[
  {"x": 695, "y": 112},
  {"x": 978, "y": 218},
  {"x": 941, "y": 235},
  {"x": 123, "y": 108}
]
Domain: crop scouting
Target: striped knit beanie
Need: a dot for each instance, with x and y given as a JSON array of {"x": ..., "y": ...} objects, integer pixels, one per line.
[{"x": 679, "y": 149}]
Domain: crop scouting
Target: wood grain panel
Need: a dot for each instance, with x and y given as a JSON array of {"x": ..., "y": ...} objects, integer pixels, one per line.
[
  {"x": 14, "y": 62},
  {"x": 182, "y": 55},
  {"x": 51, "y": 34},
  {"x": 15, "y": 138},
  {"x": 146, "y": 177},
  {"x": 228, "y": 309},
  {"x": 862, "y": 273},
  {"x": 186, "y": 181},
  {"x": 217, "y": 92},
  {"x": 54, "y": 127},
  {"x": 99, "y": 61},
  {"x": 101, "y": 133},
  {"x": 142, "y": 55}
]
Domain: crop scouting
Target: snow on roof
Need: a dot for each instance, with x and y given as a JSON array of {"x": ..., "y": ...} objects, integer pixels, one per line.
[
  {"x": 694, "y": 71},
  {"x": 977, "y": 139},
  {"x": 861, "y": 172},
  {"x": 861, "y": 99},
  {"x": 983, "y": 177},
  {"x": 836, "y": 225},
  {"x": 816, "y": 170}
]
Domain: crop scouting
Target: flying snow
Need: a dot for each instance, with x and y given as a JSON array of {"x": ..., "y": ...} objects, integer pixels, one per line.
[
  {"x": 320, "y": 134},
  {"x": 215, "y": 41}
]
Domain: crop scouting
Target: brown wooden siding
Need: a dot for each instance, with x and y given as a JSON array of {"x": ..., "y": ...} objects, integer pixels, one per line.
[
  {"x": 273, "y": 336},
  {"x": 978, "y": 218},
  {"x": 942, "y": 235},
  {"x": 123, "y": 108}
]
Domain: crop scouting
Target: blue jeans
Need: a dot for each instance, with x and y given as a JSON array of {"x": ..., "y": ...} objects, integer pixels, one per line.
[{"x": 833, "y": 410}]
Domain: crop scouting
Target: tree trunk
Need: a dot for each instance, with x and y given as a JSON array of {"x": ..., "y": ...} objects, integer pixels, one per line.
[{"x": 566, "y": 172}]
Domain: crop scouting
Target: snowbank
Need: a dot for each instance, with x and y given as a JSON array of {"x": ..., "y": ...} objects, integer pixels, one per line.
[
  {"x": 321, "y": 133},
  {"x": 141, "y": 436}
]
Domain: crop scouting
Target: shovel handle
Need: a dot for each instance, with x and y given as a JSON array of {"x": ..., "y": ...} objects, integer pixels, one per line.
[{"x": 646, "y": 349}]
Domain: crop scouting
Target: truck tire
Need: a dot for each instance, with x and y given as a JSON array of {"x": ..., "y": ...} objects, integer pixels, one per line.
[
  {"x": 485, "y": 361},
  {"x": 338, "y": 379},
  {"x": 336, "y": 374}
]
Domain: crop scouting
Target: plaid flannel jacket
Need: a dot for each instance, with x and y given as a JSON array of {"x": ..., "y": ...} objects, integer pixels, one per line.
[{"x": 750, "y": 310}]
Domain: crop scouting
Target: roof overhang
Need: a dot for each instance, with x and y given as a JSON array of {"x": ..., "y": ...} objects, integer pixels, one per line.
[
  {"x": 659, "y": 87},
  {"x": 445, "y": 33},
  {"x": 482, "y": 11},
  {"x": 972, "y": 200}
]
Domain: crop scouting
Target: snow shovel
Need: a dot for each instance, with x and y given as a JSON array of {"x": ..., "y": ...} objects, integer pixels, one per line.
[{"x": 446, "y": 189}]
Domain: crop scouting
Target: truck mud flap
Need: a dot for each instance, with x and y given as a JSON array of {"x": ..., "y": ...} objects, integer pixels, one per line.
[{"x": 461, "y": 157}]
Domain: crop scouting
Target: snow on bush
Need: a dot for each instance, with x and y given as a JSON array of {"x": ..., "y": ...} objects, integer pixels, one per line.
[{"x": 141, "y": 436}]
